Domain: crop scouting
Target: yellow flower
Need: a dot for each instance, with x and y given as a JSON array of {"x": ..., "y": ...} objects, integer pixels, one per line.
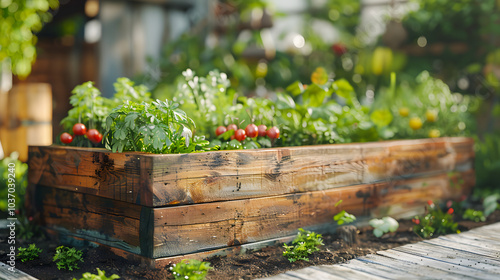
[
  {"x": 319, "y": 76},
  {"x": 431, "y": 115},
  {"x": 404, "y": 112},
  {"x": 434, "y": 133},
  {"x": 415, "y": 123}
]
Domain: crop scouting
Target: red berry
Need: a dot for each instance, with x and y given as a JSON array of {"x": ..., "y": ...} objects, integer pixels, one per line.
[
  {"x": 252, "y": 130},
  {"x": 450, "y": 211},
  {"x": 232, "y": 126},
  {"x": 94, "y": 135},
  {"x": 262, "y": 130},
  {"x": 79, "y": 129},
  {"x": 66, "y": 138},
  {"x": 339, "y": 49},
  {"x": 273, "y": 133},
  {"x": 240, "y": 135},
  {"x": 220, "y": 130}
]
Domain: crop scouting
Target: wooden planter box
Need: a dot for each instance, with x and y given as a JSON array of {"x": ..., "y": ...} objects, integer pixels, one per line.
[{"x": 160, "y": 208}]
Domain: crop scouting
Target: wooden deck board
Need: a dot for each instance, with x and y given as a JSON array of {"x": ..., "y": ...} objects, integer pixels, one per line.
[
  {"x": 6, "y": 274},
  {"x": 468, "y": 255}
]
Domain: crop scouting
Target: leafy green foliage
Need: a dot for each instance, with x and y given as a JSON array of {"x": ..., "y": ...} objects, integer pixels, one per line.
[
  {"x": 19, "y": 20},
  {"x": 29, "y": 253},
  {"x": 344, "y": 218},
  {"x": 157, "y": 127},
  {"x": 442, "y": 112},
  {"x": 67, "y": 258},
  {"x": 101, "y": 275},
  {"x": 304, "y": 244},
  {"x": 474, "y": 215},
  {"x": 487, "y": 161},
  {"x": 19, "y": 178},
  {"x": 490, "y": 203},
  {"x": 435, "y": 221},
  {"x": 383, "y": 226},
  {"x": 190, "y": 269},
  {"x": 91, "y": 109},
  {"x": 27, "y": 229}
]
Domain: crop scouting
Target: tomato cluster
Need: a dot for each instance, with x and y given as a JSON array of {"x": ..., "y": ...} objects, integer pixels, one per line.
[
  {"x": 79, "y": 129},
  {"x": 250, "y": 131}
]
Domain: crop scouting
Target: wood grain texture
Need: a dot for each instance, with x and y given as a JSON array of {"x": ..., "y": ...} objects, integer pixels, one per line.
[
  {"x": 161, "y": 180},
  {"x": 186, "y": 229}
]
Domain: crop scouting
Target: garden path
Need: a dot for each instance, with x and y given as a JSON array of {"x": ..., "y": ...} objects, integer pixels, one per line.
[{"x": 474, "y": 254}]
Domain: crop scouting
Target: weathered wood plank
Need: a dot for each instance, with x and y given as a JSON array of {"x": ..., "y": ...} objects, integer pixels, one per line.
[
  {"x": 346, "y": 273},
  {"x": 184, "y": 229},
  {"x": 6, "y": 274},
  {"x": 471, "y": 240},
  {"x": 411, "y": 268},
  {"x": 468, "y": 272},
  {"x": 465, "y": 247},
  {"x": 159, "y": 180},
  {"x": 377, "y": 270},
  {"x": 453, "y": 256},
  {"x": 310, "y": 273}
]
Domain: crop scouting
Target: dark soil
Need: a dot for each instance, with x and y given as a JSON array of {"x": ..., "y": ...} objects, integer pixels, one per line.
[{"x": 266, "y": 262}]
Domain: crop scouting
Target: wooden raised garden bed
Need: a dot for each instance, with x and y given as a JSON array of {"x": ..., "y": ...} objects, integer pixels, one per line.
[{"x": 161, "y": 208}]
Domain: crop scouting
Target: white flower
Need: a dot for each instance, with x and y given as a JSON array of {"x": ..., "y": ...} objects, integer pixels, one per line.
[{"x": 186, "y": 133}]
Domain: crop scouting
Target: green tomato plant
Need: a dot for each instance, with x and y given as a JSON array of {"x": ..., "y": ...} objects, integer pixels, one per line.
[{"x": 156, "y": 127}]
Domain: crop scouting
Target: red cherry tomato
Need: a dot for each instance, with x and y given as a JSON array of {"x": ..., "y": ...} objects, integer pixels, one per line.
[
  {"x": 66, "y": 138},
  {"x": 79, "y": 129},
  {"x": 232, "y": 126},
  {"x": 94, "y": 135},
  {"x": 221, "y": 129},
  {"x": 262, "y": 130},
  {"x": 273, "y": 133},
  {"x": 240, "y": 135},
  {"x": 98, "y": 138},
  {"x": 339, "y": 49},
  {"x": 252, "y": 130}
]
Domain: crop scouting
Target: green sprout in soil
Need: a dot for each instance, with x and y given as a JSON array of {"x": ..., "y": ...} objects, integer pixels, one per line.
[
  {"x": 101, "y": 275},
  {"x": 29, "y": 253},
  {"x": 190, "y": 269},
  {"x": 474, "y": 215},
  {"x": 304, "y": 244},
  {"x": 67, "y": 258}
]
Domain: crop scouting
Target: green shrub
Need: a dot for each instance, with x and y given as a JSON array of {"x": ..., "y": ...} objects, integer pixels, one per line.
[
  {"x": 435, "y": 222},
  {"x": 29, "y": 253},
  {"x": 474, "y": 215},
  {"x": 304, "y": 244},
  {"x": 67, "y": 258}
]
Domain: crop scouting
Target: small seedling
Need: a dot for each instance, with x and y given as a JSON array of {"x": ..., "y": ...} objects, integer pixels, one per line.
[
  {"x": 474, "y": 215},
  {"x": 190, "y": 269},
  {"x": 344, "y": 218},
  {"x": 29, "y": 253},
  {"x": 304, "y": 244},
  {"x": 101, "y": 275},
  {"x": 67, "y": 258},
  {"x": 383, "y": 226}
]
